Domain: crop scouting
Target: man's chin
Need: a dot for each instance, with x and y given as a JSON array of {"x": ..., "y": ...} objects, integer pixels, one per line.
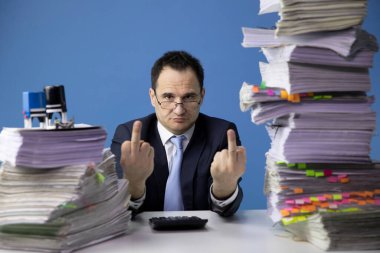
[{"x": 180, "y": 127}]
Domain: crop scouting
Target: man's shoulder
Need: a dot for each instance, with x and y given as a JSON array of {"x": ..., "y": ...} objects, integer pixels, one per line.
[
  {"x": 214, "y": 128},
  {"x": 124, "y": 130},
  {"x": 145, "y": 120},
  {"x": 209, "y": 120}
]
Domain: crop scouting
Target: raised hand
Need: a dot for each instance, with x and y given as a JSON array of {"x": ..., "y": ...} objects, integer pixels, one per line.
[
  {"x": 137, "y": 161},
  {"x": 227, "y": 167}
]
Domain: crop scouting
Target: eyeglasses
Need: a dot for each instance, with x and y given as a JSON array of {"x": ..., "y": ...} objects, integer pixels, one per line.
[{"x": 190, "y": 101}]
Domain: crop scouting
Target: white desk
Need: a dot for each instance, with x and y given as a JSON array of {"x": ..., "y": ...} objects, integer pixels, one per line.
[{"x": 248, "y": 231}]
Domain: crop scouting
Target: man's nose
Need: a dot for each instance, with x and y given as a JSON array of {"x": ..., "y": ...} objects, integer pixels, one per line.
[{"x": 179, "y": 108}]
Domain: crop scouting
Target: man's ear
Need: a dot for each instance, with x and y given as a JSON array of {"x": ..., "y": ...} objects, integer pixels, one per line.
[
  {"x": 152, "y": 96},
  {"x": 203, "y": 92}
]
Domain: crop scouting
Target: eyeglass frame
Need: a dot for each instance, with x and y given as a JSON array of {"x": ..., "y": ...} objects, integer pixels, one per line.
[{"x": 176, "y": 103}]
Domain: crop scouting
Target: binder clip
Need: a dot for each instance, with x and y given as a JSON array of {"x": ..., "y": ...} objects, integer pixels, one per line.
[
  {"x": 56, "y": 103},
  {"x": 34, "y": 104}
]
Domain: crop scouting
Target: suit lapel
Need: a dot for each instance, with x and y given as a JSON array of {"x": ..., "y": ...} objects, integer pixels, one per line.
[
  {"x": 190, "y": 164},
  {"x": 161, "y": 171}
]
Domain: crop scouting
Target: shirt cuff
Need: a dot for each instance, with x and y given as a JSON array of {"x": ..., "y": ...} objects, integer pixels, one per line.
[
  {"x": 137, "y": 203},
  {"x": 225, "y": 202}
]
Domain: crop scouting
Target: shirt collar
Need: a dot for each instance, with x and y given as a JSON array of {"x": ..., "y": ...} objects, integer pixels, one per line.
[{"x": 165, "y": 134}]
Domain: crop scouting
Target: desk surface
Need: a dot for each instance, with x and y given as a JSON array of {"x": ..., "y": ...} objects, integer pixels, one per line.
[{"x": 247, "y": 231}]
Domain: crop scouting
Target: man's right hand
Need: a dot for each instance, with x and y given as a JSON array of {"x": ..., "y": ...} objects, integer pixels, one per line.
[{"x": 137, "y": 161}]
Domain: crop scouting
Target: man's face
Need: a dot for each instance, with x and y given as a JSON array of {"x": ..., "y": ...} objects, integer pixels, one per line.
[{"x": 181, "y": 87}]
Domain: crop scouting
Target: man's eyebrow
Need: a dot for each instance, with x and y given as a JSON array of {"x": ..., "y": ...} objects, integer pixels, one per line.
[
  {"x": 167, "y": 94},
  {"x": 185, "y": 95},
  {"x": 190, "y": 94}
]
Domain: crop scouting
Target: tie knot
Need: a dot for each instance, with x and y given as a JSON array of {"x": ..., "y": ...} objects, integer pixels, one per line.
[{"x": 177, "y": 141}]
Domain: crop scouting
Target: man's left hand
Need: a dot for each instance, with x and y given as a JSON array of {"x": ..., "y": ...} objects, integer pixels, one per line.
[{"x": 227, "y": 167}]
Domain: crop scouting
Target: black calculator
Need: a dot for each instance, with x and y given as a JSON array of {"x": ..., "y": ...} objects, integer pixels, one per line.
[{"x": 177, "y": 223}]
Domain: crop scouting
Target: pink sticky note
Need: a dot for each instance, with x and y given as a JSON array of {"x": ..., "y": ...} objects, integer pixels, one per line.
[
  {"x": 270, "y": 92},
  {"x": 332, "y": 179},
  {"x": 342, "y": 176},
  {"x": 290, "y": 201},
  {"x": 327, "y": 173},
  {"x": 307, "y": 200}
]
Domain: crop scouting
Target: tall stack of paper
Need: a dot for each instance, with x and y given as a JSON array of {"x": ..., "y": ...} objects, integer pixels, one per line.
[
  {"x": 321, "y": 184},
  {"x": 305, "y": 16},
  {"x": 58, "y": 190}
]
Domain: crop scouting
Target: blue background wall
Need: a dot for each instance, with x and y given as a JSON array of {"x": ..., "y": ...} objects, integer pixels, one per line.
[{"x": 102, "y": 51}]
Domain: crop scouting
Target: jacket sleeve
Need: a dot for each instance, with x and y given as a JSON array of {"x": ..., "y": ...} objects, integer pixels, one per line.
[
  {"x": 230, "y": 209},
  {"x": 122, "y": 133}
]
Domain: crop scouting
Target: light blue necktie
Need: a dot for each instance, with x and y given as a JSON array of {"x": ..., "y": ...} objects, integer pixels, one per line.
[{"x": 173, "y": 193}]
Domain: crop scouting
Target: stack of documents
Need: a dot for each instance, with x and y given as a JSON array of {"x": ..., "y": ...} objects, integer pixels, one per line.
[
  {"x": 49, "y": 148},
  {"x": 345, "y": 42},
  {"x": 320, "y": 182},
  {"x": 61, "y": 209},
  {"x": 59, "y": 190},
  {"x": 298, "y": 78},
  {"x": 305, "y": 16},
  {"x": 269, "y": 104},
  {"x": 296, "y": 190},
  {"x": 320, "y": 56},
  {"x": 313, "y": 145},
  {"x": 313, "y": 127},
  {"x": 334, "y": 206},
  {"x": 315, "y": 62},
  {"x": 340, "y": 231},
  {"x": 284, "y": 179}
]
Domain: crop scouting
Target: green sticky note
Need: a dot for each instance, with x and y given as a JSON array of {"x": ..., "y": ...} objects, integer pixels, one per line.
[
  {"x": 70, "y": 205},
  {"x": 292, "y": 220},
  {"x": 350, "y": 209},
  {"x": 301, "y": 166},
  {"x": 327, "y": 97},
  {"x": 100, "y": 177},
  {"x": 314, "y": 199},
  {"x": 263, "y": 85},
  {"x": 287, "y": 221},
  {"x": 310, "y": 173},
  {"x": 337, "y": 196},
  {"x": 291, "y": 165},
  {"x": 319, "y": 174},
  {"x": 317, "y": 97}
]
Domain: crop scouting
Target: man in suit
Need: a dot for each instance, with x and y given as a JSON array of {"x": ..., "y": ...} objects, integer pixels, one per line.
[{"x": 213, "y": 160}]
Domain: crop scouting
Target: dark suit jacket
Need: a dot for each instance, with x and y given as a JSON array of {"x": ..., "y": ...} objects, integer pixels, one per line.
[{"x": 210, "y": 136}]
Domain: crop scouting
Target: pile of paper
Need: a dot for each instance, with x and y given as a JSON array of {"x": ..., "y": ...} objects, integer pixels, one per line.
[
  {"x": 310, "y": 145},
  {"x": 305, "y": 16},
  {"x": 49, "y": 148},
  {"x": 297, "y": 190},
  {"x": 47, "y": 207},
  {"x": 341, "y": 231},
  {"x": 315, "y": 62},
  {"x": 345, "y": 42},
  {"x": 300, "y": 78},
  {"x": 321, "y": 183}
]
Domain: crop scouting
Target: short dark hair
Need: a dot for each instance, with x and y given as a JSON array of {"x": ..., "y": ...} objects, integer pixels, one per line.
[{"x": 178, "y": 60}]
